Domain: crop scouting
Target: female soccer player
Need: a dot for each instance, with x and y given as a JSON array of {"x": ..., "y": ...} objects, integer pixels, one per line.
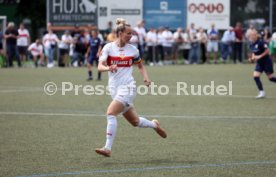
[
  {"x": 92, "y": 53},
  {"x": 260, "y": 54},
  {"x": 117, "y": 58}
]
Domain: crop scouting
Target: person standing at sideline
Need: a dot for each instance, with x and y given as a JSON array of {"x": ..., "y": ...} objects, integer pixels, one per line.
[
  {"x": 212, "y": 46},
  {"x": 117, "y": 58},
  {"x": 64, "y": 47},
  {"x": 238, "y": 43},
  {"x": 50, "y": 41},
  {"x": 11, "y": 35},
  {"x": 23, "y": 42},
  {"x": 260, "y": 54},
  {"x": 2, "y": 53}
]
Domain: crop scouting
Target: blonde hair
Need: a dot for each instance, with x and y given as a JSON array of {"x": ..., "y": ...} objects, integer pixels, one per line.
[
  {"x": 10, "y": 24},
  {"x": 254, "y": 32},
  {"x": 121, "y": 25}
]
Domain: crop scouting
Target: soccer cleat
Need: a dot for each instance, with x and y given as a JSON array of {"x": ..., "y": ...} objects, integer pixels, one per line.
[
  {"x": 160, "y": 131},
  {"x": 261, "y": 95},
  {"x": 103, "y": 151}
]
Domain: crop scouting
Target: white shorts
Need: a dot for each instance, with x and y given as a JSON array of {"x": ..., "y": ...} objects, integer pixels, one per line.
[
  {"x": 212, "y": 46},
  {"x": 126, "y": 95}
]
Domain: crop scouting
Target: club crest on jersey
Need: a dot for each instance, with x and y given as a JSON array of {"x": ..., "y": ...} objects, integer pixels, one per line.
[{"x": 122, "y": 56}]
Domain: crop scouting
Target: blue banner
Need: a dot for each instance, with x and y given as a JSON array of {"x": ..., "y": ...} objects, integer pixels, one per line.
[{"x": 165, "y": 13}]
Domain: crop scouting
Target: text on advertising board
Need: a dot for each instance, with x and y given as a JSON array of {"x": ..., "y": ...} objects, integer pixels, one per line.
[{"x": 209, "y": 8}]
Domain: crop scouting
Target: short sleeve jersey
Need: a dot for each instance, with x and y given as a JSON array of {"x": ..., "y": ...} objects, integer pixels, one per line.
[
  {"x": 258, "y": 48},
  {"x": 94, "y": 44},
  {"x": 124, "y": 58}
]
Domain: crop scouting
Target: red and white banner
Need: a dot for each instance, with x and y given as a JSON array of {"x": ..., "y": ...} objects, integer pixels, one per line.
[{"x": 203, "y": 13}]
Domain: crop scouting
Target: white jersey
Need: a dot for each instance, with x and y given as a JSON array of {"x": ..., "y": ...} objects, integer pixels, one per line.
[
  {"x": 23, "y": 36},
  {"x": 123, "y": 57},
  {"x": 35, "y": 49},
  {"x": 141, "y": 33},
  {"x": 64, "y": 41},
  {"x": 49, "y": 39}
]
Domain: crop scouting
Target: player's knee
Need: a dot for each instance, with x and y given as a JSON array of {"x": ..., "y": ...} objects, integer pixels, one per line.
[
  {"x": 135, "y": 123},
  {"x": 110, "y": 113}
]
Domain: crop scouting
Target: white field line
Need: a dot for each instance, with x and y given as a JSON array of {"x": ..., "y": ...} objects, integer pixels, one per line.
[{"x": 150, "y": 116}]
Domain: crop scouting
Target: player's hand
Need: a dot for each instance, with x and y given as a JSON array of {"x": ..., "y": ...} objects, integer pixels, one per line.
[
  {"x": 113, "y": 68},
  {"x": 250, "y": 60},
  {"x": 256, "y": 57},
  {"x": 147, "y": 82}
]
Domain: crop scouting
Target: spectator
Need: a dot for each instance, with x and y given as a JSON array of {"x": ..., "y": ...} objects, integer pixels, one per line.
[
  {"x": 36, "y": 50},
  {"x": 194, "y": 45},
  {"x": 87, "y": 34},
  {"x": 11, "y": 36},
  {"x": 247, "y": 33},
  {"x": 64, "y": 46},
  {"x": 167, "y": 43},
  {"x": 134, "y": 40},
  {"x": 178, "y": 37},
  {"x": 108, "y": 29},
  {"x": 238, "y": 43},
  {"x": 151, "y": 40},
  {"x": 160, "y": 49},
  {"x": 212, "y": 46},
  {"x": 187, "y": 46},
  {"x": 226, "y": 43},
  {"x": 50, "y": 41},
  {"x": 111, "y": 37},
  {"x": 203, "y": 39},
  {"x": 49, "y": 26},
  {"x": 79, "y": 51},
  {"x": 76, "y": 31},
  {"x": 141, "y": 31},
  {"x": 23, "y": 41}
]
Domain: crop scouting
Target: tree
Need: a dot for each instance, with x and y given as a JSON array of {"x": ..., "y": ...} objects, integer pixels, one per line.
[
  {"x": 35, "y": 11},
  {"x": 242, "y": 10}
]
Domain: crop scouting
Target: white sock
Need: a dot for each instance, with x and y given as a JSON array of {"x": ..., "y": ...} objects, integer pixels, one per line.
[
  {"x": 110, "y": 131},
  {"x": 145, "y": 123}
]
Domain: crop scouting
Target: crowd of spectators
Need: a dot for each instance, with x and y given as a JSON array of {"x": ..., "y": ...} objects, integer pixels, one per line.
[{"x": 193, "y": 45}]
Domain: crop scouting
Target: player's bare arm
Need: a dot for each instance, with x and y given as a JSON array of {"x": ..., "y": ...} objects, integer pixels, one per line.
[
  {"x": 144, "y": 73},
  {"x": 102, "y": 67},
  {"x": 257, "y": 57}
]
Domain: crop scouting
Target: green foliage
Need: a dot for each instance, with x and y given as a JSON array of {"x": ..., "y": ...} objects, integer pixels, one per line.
[
  {"x": 35, "y": 11},
  {"x": 250, "y": 9}
]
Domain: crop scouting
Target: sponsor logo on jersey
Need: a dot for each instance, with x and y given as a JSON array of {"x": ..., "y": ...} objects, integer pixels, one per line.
[{"x": 120, "y": 61}]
